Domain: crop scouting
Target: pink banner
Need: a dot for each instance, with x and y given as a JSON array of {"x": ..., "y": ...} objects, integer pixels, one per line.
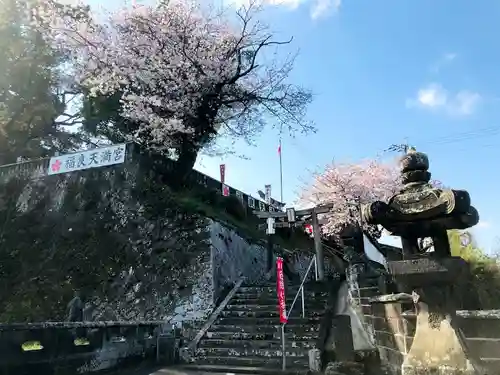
[{"x": 280, "y": 288}]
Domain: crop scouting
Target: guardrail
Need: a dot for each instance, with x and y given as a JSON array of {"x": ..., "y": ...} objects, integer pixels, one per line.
[{"x": 80, "y": 347}]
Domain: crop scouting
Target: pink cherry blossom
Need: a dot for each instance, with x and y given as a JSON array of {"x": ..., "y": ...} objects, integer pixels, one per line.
[
  {"x": 177, "y": 68},
  {"x": 347, "y": 186}
]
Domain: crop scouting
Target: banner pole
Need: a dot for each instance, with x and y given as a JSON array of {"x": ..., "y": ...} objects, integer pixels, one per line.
[{"x": 281, "y": 174}]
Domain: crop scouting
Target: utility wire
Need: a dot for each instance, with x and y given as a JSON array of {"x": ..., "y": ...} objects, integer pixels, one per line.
[{"x": 458, "y": 137}]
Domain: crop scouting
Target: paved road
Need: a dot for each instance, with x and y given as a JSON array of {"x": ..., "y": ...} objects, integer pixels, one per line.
[
  {"x": 148, "y": 370},
  {"x": 173, "y": 371}
]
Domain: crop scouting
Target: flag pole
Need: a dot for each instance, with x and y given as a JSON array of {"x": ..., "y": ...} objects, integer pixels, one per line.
[{"x": 281, "y": 174}]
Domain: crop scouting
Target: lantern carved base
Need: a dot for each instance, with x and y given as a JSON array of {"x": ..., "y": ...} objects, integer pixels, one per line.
[{"x": 436, "y": 347}]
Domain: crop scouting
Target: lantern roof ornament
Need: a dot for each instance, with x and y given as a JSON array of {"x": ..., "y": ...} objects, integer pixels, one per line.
[{"x": 420, "y": 210}]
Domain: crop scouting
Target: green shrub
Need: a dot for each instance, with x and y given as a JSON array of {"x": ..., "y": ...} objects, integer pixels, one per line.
[{"x": 482, "y": 289}]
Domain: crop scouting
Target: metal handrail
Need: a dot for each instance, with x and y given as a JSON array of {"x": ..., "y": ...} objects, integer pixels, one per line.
[
  {"x": 301, "y": 288},
  {"x": 301, "y": 292}
]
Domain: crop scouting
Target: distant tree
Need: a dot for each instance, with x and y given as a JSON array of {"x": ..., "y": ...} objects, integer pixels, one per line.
[
  {"x": 463, "y": 244},
  {"x": 347, "y": 186},
  {"x": 33, "y": 93},
  {"x": 483, "y": 288},
  {"x": 175, "y": 77}
]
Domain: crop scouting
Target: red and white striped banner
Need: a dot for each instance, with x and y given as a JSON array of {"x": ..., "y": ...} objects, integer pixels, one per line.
[{"x": 280, "y": 289}]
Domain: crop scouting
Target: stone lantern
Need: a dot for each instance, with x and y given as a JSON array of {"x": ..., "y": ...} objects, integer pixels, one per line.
[
  {"x": 427, "y": 283},
  {"x": 421, "y": 210}
]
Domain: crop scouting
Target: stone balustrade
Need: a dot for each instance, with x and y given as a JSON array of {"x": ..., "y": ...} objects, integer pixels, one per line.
[{"x": 81, "y": 347}]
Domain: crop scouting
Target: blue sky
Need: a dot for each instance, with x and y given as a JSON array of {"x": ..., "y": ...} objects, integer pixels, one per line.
[{"x": 387, "y": 72}]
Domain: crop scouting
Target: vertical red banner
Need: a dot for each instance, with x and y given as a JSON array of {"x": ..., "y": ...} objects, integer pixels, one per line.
[
  {"x": 223, "y": 173},
  {"x": 280, "y": 289}
]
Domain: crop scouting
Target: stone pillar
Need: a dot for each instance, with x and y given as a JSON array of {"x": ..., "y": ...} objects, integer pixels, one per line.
[
  {"x": 437, "y": 347},
  {"x": 342, "y": 334}
]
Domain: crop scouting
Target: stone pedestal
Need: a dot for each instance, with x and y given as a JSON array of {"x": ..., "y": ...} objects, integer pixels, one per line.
[
  {"x": 436, "y": 347},
  {"x": 345, "y": 368},
  {"x": 423, "y": 272}
]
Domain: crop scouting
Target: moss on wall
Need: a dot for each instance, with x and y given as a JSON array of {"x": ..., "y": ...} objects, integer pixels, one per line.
[{"x": 112, "y": 233}]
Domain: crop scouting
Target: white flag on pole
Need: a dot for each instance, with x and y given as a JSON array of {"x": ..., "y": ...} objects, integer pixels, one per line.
[{"x": 372, "y": 252}]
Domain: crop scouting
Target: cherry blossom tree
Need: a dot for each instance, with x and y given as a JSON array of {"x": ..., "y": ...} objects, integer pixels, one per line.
[
  {"x": 347, "y": 186},
  {"x": 177, "y": 76}
]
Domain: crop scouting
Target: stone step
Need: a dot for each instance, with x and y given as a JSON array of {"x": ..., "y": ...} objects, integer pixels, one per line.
[
  {"x": 225, "y": 370},
  {"x": 241, "y": 322},
  {"x": 276, "y": 328},
  {"x": 307, "y": 336},
  {"x": 270, "y": 307},
  {"x": 270, "y": 288},
  {"x": 250, "y": 352},
  {"x": 268, "y": 314},
  {"x": 255, "y": 343},
  {"x": 237, "y": 310},
  {"x": 254, "y": 303},
  {"x": 312, "y": 285},
  {"x": 289, "y": 292},
  {"x": 261, "y": 362},
  {"x": 269, "y": 294}
]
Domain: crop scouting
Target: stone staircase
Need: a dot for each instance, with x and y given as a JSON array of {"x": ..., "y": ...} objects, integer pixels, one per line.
[{"x": 246, "y": 338}]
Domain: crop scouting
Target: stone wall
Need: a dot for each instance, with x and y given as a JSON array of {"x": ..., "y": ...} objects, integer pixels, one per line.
[
  {"x": 395, "y": 332},
  {"x": 233, "y": 257},
  {"x": 116, "y": 234},
  {"x": 362, "y": 287},
  {"x": 481, "y": 331}
]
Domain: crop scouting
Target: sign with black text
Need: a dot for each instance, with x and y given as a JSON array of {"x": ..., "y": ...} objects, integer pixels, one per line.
[{"x": 100, "y": 157}]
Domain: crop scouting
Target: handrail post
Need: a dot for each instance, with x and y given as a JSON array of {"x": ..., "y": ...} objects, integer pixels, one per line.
[
  {"x": 283, "y": 346},
  {"x": 315, "y": 268},
  {"x": 303, "y": 302}
]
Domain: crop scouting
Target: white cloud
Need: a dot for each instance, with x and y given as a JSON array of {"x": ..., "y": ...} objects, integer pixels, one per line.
[
  {"x": 432, "y": 96},
  {"x": 445, "y": 59},
  {"x": 318, "y": 8},
  {"x": 465, "y": 102},
  {"x": 435, "y": 97},
  {"x": 323, "y": 7},
  {"x": 449, "y": 56}
]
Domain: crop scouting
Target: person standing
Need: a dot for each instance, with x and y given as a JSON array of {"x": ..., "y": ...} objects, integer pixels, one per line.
[{"x": 75, "y": 308}]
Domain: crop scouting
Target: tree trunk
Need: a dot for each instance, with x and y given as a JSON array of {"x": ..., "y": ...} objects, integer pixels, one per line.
[{"x": 185, "y": 164}]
